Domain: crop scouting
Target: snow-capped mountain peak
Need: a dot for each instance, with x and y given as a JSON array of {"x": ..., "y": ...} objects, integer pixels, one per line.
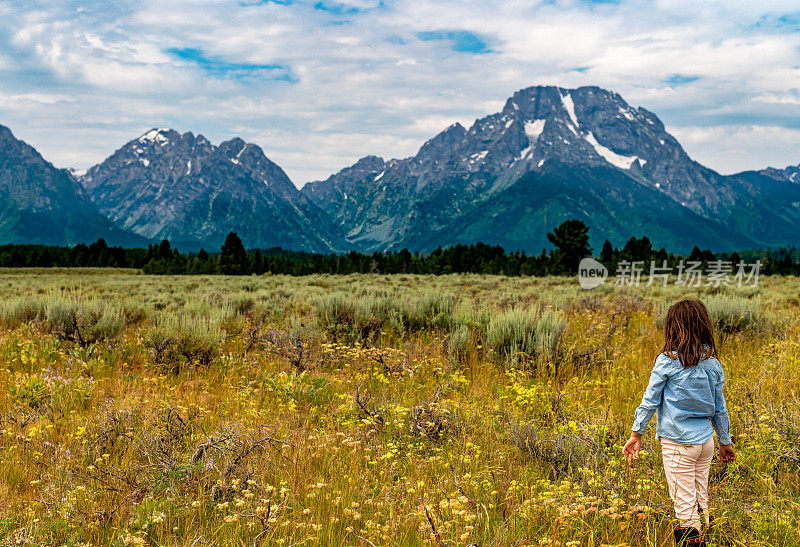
[
  {"x": 156, "y": 135},
  {"x": 164, "y": 184},
  {"x": 611, "y": 148}
]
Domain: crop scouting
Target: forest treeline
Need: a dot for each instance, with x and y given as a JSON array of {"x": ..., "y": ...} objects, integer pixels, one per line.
[{"x": 570, "y": 241}]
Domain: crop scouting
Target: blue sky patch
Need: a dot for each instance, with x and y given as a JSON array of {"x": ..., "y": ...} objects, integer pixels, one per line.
[
  {"x": 395, "y": 39},
  {"x": 680, "y": 79},
  {"x": 790, "y": 19},
  {"x": 221, "y": 69},
  {"x": 263, "y": 2},
  {"x": 786, "y": 21},
  {"x": 462, "y": 41},
  {"x": 336, "y": 8}
]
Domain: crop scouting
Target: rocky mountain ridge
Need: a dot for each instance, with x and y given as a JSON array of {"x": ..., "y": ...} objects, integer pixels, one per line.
[
  {"x": 588, "y": 135},
  {"x": 181, "y": 187},
  {"x": 42, "y": 204},
  {"x": 549, "y": 155}
]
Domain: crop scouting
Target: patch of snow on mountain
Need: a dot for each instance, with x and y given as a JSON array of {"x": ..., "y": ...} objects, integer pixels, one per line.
[
  {"x": 793, "y": 177},
  {"x": 380, "y": 176},
  {"x": 617, "y": 160},
  {"x": 478, "y": 156},
  {"x": 145, "y": 161},
  {"x": 533, "y": 129},
  {"x": 566, "y": 100},
  {"x": 242, "y": 150},
  {"x": 541, "y": 163},
  {"x": 234, "y": 161},
  {"x": 626, "y": 113},
  {"x": 525, "y": 152},
  {"x": 509, "y": 122},
  {"x": 154, "y": 135},
  {"x": 189, "y": 168}
]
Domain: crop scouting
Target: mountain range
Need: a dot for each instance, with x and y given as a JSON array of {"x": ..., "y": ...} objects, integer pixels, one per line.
[
  {"x": 165, "y": 185},
  {"x": 550, "y": 155}
]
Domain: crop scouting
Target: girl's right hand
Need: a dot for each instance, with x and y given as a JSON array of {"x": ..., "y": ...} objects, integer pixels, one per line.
[{"x": 631, "y": 448}]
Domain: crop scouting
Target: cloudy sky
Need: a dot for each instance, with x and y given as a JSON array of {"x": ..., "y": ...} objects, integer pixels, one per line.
[{"x": 320, "y": 83}]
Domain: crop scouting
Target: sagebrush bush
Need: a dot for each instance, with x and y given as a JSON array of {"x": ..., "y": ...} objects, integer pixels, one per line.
[
  {"x": 458, "y": 343},
  {"x": 733, "y": 313},
  {"x": 350, "y": 318},
  {"x": 21, "y": 310},
  {"x": 729, "y": 313},
  {"x": 431, "y": 309},
  {"x": 525, "y": 334},
  {"x": 338, "y": 315},
  {"x": 178, "y": 342},
  {"x": 81, "y": 319},
  {"x": 567, "y": 453},
  {"x": 476, "y": 318}
]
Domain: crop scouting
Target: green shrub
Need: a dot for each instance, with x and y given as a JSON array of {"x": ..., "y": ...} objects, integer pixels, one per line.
[
  {"x": 476, "y": 318},
  {"x": 134, "y": 315},
  {"x": 733, "y": 313},
  {"x": 80, "y": 319},
  {"x": 729, "y": 313},
  {"x": 32, "y": 391},
  {"x": 179, "y": 342},
  {"x": 459, "y": 342},
  {"x": 565, "y": 454},
  {"x": 520, "y": 334},
  {"x": 357, "y": 318},
  {"x": 431, "y": 309},
  {"x": 336, "y": 314},
  {"x": 21, "y": 310}
]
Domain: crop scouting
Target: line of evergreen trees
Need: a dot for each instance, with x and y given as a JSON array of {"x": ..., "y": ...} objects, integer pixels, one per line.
[
  {"x": 96, "y": 255},
  {"x": 570, "y": 239}
]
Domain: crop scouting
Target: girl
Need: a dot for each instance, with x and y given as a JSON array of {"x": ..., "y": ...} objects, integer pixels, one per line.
[{"x": 686, "y": 390}]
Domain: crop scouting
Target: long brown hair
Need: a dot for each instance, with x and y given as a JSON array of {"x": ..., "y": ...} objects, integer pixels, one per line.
[{"x": 689, "y": 333}]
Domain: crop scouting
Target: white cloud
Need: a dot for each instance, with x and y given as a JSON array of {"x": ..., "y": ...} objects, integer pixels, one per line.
[
  {"x": 77, "y": 80},
  {"x": 731, "y": 149}
]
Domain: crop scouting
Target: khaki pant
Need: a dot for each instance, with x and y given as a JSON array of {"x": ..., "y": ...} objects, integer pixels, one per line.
[{"x": 687, "y": 467}]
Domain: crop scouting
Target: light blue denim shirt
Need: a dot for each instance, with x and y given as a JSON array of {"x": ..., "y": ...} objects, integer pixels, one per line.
[{"x": 689, "y": 402}]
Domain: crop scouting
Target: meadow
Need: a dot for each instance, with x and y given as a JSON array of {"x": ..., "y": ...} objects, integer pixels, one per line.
[{"x": 372, "y": 410}]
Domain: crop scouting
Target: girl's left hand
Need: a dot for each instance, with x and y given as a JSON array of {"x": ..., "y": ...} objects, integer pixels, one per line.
[
  {"x": 632, "y": 447},
  {"x": 726, "y": 453}
]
